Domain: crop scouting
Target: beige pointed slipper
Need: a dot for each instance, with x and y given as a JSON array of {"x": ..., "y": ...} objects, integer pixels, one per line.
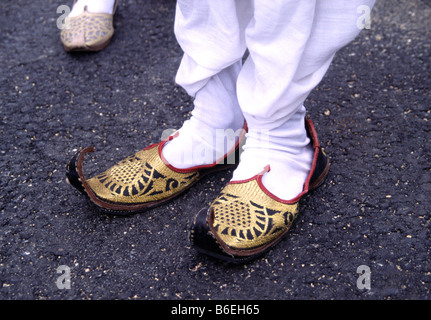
[{"x": 88, "y": 31}]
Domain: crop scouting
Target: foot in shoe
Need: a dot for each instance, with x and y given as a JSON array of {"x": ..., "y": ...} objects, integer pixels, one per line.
[
  {"x": 287, "y": 172},
  {"x": 94, "y": 6},
  {"x": 288, "y": 152}
]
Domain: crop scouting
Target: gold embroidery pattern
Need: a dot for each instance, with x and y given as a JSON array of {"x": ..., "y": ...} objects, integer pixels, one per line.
[
  {"x": 246, "y": 218},
  {"x": 140, "y": 178}
]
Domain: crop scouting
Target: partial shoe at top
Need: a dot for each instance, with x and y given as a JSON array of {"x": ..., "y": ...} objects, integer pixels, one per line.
[{"x": 88, "y": 31}]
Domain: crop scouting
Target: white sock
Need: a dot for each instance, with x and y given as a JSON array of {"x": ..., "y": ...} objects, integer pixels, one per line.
[
  {"x": 288, "y": 152},
  {"x": 209, "y": 134},
  {"x": 95, "y": 6}
]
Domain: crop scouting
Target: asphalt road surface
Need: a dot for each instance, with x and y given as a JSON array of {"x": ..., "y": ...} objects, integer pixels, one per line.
[{"x": 372, "y": 114}]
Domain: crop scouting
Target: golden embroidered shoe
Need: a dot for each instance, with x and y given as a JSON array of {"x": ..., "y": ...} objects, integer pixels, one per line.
[
  {"x": 141, "y": 181},
  {"x": 88, "y": 31},
  {"x": 245, "y": 220}
]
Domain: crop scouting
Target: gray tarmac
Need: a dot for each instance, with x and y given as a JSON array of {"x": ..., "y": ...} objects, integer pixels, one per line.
[{"x": 372, "y": 114}]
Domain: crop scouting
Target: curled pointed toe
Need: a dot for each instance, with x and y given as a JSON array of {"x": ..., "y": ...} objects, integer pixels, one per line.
[{"x": 74, "y": 169}]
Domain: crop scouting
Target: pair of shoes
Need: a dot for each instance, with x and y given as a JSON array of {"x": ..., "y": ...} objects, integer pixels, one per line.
[
  {"x": 242, "y": 223},
  {"x": 88, "y": 31}
]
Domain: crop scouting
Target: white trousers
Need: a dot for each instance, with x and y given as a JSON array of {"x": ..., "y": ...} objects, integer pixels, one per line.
[{"x": 291, "y": 44}]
